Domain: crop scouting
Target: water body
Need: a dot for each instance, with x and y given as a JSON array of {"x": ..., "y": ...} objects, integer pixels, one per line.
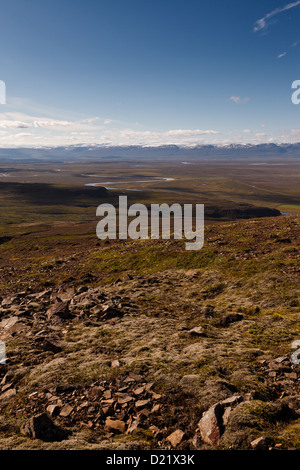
[
  {"x": 289, "y": 213},
  {"x": 271, "y": 164},
  {"x": 94, "y": 176},
  {"x": 105, "y": 184}
]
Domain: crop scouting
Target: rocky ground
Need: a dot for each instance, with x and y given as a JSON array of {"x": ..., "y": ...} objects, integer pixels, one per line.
[{"x": 145, "y": 346}]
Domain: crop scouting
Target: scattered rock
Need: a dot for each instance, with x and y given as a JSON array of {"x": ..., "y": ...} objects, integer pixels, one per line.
[
  {"x": 196, "y": 442},
  {"x": 192, "y": 273},
  {"x": 81, "y": 290},
  {"x": 66, "y": 388},
  {"x": 149, "y": 386},
  {"x": 176, "y": 438},
  {"x": 7, "y": 323},
  {"x": 156, "y": 408},
  {"x": 107, "y": 394},
  {"x": 109, "y": 312},
  {"x": 8, "y": 376},
  {"x": 53, "y": 410},
  {"x": 142, "y": 404},
  {"x": 50, "y": 345},
  {"x": 8, "y": 394},
  {"x": 197, "y": 331},
  {"x": 226, "y": 415},
  {"x": 115, "y": 426},
  {"x": 281, "y": 359},
  {"x": 117, "y": 402},
  {"x": 295, "y": 344},
  {"x": 115, "y": 364},
  {"x": 66, "y": 411},
  {"x": 210, "y": 425},
  {"x": 262, "y": 443},
  {"x": 139, "y": 391},
  {"x": 230, "y": 318},
  {"x": 232, "y": 400},
  {"x": 254, "y": 395},
  {"x": 42, "y": 427},
  {"x": 134, "y": 427},
  {"x": 245, "y": 421},
  {"x": 60, "y": 309},
  {"x": 126, "y": 399},
  {"x": 6, "y": 387}
]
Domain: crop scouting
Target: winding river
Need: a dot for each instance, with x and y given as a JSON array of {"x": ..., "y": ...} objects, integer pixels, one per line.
[{"x": 108, "y": 184}]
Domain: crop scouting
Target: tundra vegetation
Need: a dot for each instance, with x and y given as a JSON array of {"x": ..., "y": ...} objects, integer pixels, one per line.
[{"x": 140, "y": 344}]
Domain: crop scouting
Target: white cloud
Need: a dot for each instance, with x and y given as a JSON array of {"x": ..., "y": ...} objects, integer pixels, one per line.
[
  {"x": 6, "y": 124},
  {"x": 173, "y": 136},
  {"x": 41, "y": 137},
  {"x": 189, "y": 132},
  {"x": 262, "y": 23},
  {"x": 52, "y": 123},
  {"x": 261, "y": 134},
  {"x": 18, "y": 129},
  {"x": 90, "y": 120},
  {"x": 295, "y": 44},
  {"x": 23, "y": 134},
  {"x": 295, "y": 132},
  {"x": 17, "y": 120},
  {"x": 54, "y": 132},
  {"x": 239, "y": 100}
]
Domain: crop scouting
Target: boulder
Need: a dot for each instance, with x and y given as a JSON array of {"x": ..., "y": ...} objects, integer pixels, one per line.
[
  {"x": 210, "y": 425},
  {"x": 109, "y": 312},
  {"x": 197, "y": 331},
  {"x": 53, "y": 410},
  {"x": 8, "y": 394},
  {"x": 115, "y": 425},
  {"x": 60, "y": 309},
  {"x": 66, "y": 411},
  {"x": 176, "y": 438},
  {"x": 142, "y": 404},
  {"x": 7, "y": 323},
  {"x": 42, "y": 427}
]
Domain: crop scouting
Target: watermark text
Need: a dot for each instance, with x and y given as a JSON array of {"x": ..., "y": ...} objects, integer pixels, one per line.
[
  {"x": 2, "y": 92},
  {"x": 160, "y": 221}
]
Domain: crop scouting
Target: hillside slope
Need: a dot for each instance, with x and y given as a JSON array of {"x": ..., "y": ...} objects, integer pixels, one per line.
[{"x": 125, "y": 345}]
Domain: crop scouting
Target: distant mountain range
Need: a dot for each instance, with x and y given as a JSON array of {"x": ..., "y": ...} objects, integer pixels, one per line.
[{"x": 203, "y": 152}]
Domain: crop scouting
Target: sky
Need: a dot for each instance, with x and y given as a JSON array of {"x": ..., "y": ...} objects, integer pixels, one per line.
[{"x": 148, "y": 72}]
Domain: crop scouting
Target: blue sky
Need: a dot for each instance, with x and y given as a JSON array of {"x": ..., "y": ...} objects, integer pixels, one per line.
[{"x": 149, "y": 72}]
